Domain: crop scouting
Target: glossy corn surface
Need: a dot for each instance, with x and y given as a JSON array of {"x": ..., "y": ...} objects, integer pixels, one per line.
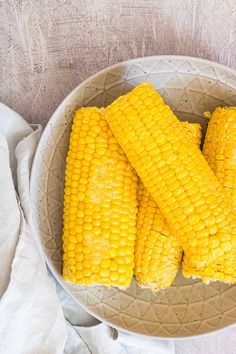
[
  {"x": 157, "y": 250},
  {"x": 177, "y": 176},
  {"x": 100, "y": 206}
]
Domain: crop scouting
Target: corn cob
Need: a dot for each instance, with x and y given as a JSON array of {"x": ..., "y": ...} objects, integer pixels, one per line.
[
  {"x": 178, "y": 178},
  {"x": 157, "y": 250},
  {"x": 220, "y": 152},
  {"x": 100, "y": 206},
  {"x": 220, "y": 149}
]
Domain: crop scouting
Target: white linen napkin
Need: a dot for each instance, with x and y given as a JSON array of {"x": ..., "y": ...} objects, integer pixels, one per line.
[
  {"x": 32, "y": 320},
  {"x": 37, "y": 317}
]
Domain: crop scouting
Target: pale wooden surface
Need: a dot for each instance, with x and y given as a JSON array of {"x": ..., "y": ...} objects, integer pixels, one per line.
[{"x": 49, "y": 47}]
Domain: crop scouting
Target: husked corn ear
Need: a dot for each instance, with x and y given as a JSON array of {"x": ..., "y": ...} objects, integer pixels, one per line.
[
  {"x": 157, "y": 250},
  {"x": 219, "y": 149},
  {"x": 220, "y": 152},
  {"x": 177, "y": 176},
  {"x": 100, "y": 206}
]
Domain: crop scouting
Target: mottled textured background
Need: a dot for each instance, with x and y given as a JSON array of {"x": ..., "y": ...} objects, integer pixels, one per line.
[{"x": 49, "y": 47}]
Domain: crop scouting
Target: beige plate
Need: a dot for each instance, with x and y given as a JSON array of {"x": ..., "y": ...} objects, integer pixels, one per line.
[{"x": 191, "y": 86}]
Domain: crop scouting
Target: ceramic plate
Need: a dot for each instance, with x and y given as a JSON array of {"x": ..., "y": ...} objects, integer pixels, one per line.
[{"x": 190, "y": 86}]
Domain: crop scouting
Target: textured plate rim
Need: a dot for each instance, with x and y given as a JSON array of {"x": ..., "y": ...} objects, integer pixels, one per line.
[{"x": 34, "y": 168}]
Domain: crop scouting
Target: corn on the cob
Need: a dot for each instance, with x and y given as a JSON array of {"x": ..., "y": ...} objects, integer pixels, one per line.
[
  {"x": 100, "y": 206},
  {"x": 178, "y": 178},
  {"x": 220, "y": 152},
  {"x": 219, "y": 149},
  {"x": 157, "y": 250}
]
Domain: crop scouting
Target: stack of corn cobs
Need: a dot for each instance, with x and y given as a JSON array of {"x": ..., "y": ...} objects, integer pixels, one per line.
[{"x": 141, "y": 198}]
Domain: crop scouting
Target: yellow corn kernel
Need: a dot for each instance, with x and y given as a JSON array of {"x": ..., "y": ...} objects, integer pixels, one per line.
[
  {"x": 188, "y": 165},
  {"x": 100, "y": 201},
  {"x": 194, "y": 131}
]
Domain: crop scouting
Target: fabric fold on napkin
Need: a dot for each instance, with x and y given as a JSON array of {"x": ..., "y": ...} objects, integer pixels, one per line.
[
  {"x": 24, "y": 157},
  {"x": 37, "y": 315},
  {"x": 31, "y": 318},
  {"x": 14, "y": 128},
  {"x": 9, "y": 216}
]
